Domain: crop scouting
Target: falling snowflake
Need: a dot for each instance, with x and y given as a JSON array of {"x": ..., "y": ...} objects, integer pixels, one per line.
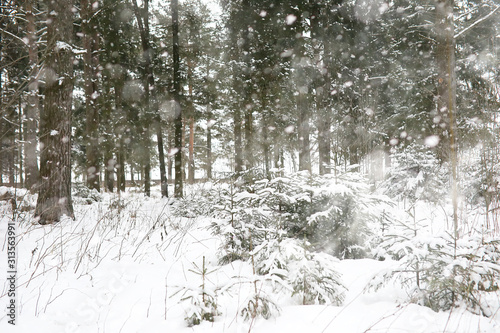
[
  {"x": 432, "y": 141},
  {"x": 289, "y": 129},
  {"x": 290, "y": 19}
]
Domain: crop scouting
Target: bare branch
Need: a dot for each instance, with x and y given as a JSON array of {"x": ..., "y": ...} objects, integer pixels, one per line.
[{"x": 477, "y": 22}]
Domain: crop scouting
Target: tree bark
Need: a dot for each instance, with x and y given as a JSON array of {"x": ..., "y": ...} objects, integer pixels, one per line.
[
  {"x": 142, "y": 16},
  {"x": 171, "y": 144},
  {"x": 248, "y": 107},
  {"x": 191, "y": 112},
  {"x": 91, "y": 64},
  {"x": 446, "y": 88},
  {"x": 120, "y": 175},
  {"x": 237, "y": 86},
  {"x": 109, "y": 172},
  {"x": 265, "y": 133},
  {"x": 178, "y": 187},
  {"x": 320, "y": 35},
  {"x": 238, "y": 151},
  {"x": 191, "y": 152},
  {"x": 209, "y": 142},
  {"x": 445, "y": 60},
  {"x": 2, "y": 125},
  {"x": 303, "y": 128},
  {"x": 33, "y": 105},
  {"x": 54, "y": 196}
]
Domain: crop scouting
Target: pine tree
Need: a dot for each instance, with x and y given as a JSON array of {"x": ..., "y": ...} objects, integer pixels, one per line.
[
  {"x": 54, "y": 195},
  {"x": 91, "y": 64},
  {"x": 178, "y": 187},
  {"x": 446, "y": 89},
  {"x": 150, "y": 91},
  {"x": 33, "y": 104}
]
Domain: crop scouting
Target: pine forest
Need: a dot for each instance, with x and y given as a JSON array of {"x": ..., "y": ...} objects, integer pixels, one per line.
[{"x": 250, "y": 166}]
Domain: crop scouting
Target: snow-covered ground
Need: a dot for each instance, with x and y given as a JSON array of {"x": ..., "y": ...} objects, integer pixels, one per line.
[{"x": 124, "y": 266}]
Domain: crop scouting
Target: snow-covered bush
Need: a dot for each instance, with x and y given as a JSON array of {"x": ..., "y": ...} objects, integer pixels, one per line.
[
  {"x": 416, "y": 174},
  {"x": 259, "y": 306},
  {"x": 201, "y": 301},
  {"x": 236, "y": 240},
  {"x": 202, "y": 306},
  {"x": 83, "y": 195},
  {"x": 439, "y": 272},
  {"x": 19, "y": 200},
  {"x": 244, "y": 219},
  {"x": 201, "y": 200},
  {"x": 481, "y": 180},
  {"x": 335, "y": 213},
  {"x": 310, "y": 276}
]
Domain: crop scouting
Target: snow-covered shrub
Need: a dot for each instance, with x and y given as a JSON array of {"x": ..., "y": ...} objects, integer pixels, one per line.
[
  {"x": 309, "y": 275},
  {"x": 201, "y": 201},
  {"x": 416, "y": 174},
  {"x": 440, "y": 273},
  {"x": 335, "y": 213},
  {"x": 19, "y": 200},
  {"x": 247, "y": 220},
  {"x": 236, "y": 240},
  {"x": 259, "y": 306},
  {"x": 481, "y": 181},
  {"x": 202, "y": 306},
  {"x": 81, "y": 194},
  {"x": 201, "y": 301}
]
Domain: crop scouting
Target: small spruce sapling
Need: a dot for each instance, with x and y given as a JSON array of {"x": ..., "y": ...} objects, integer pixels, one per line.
[
  {"x": 202, "y": 300},
  {"x": 440, "y": 272},
  {"x": 258, "y": 304},
  {"x": 309, "y": 275}
]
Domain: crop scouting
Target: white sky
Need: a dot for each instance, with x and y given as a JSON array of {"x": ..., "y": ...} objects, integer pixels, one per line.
[{"x": 214, "y": 6}]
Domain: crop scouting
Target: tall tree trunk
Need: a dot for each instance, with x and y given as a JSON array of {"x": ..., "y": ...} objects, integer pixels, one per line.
[
  {"x": 178, "y": 187},
  {"x": 249, "y": 158},
  {"x": 209, "y": 131},
  {"x": 238, "y": 151},
  {"x": 191, "y": 112},
  {"x": 303, "y": 128},
  {"x": 161, "y": 156},
  {"x": 171, "y": 144},
  {"x": 237, "y": 104},
  {"x": 209, "y": 142},
  {"x": 446, "y": 88},
  {"x": 320, "y": 35},
  {"x": 33, "y": 105},
  {"x": 21, "y": 136},
  {"x": 276, "y": 156},
  {"x": 120, "y": 133},
  {"x": 247, "y": 90},
  {"x": 159, "y": 136},
  {"x": 120, "y": 174},
  {"x": 265, "y": 144},
  {"x": 109, "y": 172},
  {"x": 142, "y": 16},
  {"x": 159, "y": 139},
  {"x": 191, "y": 152},
  {"x": 91, "y": 64},
  {"x": 265, "y": 132},
  {"x": 151, "y": 93},
  {"x": 3, "y": 132},
  {"x": 54, "y": 195},
  {"x": 183, "y": 144},
  {"x": 12, "y": 154}
]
